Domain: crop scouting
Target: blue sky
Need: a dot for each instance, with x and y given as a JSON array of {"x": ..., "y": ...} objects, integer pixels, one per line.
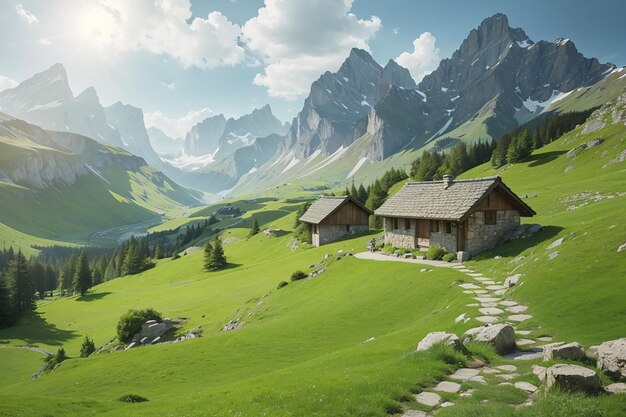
[{"x": 186, "y": 60}]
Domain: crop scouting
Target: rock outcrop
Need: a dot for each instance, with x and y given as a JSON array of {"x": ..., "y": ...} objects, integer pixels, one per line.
[
  {"x": 612, "y": 358},
  {"x": 573, "y": 378},
  {"x": 572, "y": 351},
  {"x": 434, "y": 338},
  {"x": 500, "y": 336}
]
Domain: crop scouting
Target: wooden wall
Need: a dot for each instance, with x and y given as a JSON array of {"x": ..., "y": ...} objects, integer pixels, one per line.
[
  {"x": 495, "y": 200},
  {"x": 349, "y": 213}
]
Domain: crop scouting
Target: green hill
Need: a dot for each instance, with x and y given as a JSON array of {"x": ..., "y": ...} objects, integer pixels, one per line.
[{"x": 342, "y": 343}]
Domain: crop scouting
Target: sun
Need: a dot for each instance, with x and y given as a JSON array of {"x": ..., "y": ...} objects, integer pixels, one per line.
[{"x": 97, "y": 25}]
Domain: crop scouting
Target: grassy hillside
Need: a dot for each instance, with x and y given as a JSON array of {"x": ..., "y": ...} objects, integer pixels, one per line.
[{"x": 302, "y": 349}]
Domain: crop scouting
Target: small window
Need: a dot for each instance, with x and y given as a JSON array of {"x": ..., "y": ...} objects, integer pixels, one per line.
[
  {"x": 448, "y": 227},
  {"x": 314, "y": 229},
  {"x": 347, "y": 227},
  {"x": 491, "y": 216},
  {"x": 407, "y": 224},
  {"x": 395, "y": 224},
  {"x": 434, "y": 226}
]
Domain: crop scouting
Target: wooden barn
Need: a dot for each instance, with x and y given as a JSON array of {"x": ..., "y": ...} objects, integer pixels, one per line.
[
  {"x": 466, "y": 216},
  {"x": 332, "y": 218}
]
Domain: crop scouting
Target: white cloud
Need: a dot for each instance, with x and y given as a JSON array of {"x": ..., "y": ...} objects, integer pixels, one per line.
[
  {"x": 169, "y": 86},
  {"x": 176, "y": 127},
  {"x": 164, "y": 27},
  {"x": 6, "y": 82},
  {"x": 299, "y": 40},
  {"x": 25, "y": 14},
  {"x": 424, "y": 58},
  {"x": 395, "y": 30},
  {"x": 45, "y": 41}
]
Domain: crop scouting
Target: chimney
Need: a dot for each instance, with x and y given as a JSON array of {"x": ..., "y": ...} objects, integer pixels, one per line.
[{"x": 447, "y": 180}]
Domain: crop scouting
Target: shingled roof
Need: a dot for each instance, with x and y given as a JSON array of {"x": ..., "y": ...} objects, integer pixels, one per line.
[
  {"x": 325, "y": 206},
  {"x": 433, "y": 200}
]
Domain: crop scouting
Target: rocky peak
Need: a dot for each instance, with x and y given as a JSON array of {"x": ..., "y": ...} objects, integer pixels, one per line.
[
  {"x": 88, "y": 95},
  {"x": 395, "y": 74}
]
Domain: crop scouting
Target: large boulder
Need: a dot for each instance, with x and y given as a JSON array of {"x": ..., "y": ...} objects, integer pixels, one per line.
[
  {"x": 573, "y": 378},
  {"x": 151, "y": 329},
  {"x": 434, "y": 338},
  {"x": 612, "y": 358},
  {"x": 572, "y": 351},
  {"x": 501, "y": 336}
]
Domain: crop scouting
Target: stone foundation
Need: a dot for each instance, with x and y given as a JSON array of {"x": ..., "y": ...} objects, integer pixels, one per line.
[
  {"x": 481, "y": 236},
  {"x": 401, "y": 237},
  {"x": 332, "y": 233}
]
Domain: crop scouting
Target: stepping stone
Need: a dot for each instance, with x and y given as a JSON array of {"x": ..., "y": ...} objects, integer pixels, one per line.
[
  {"x": 495, "y": 287},
  {"x": 490, "y": 311},
  {"x": 519, "y": 317},
  {"x": 414, "y": 413},
  {"x": 447, "y": 386},
  {"x": 472, "y": 305},
  {"x": 447, "y": 404},
  {"x": 516, "y": 309},
  {"x": 544, "y": 338},
  {"x": 508, "y": 303},
  {"x": 468, "y": 292},
  {"x": 489, "y": 282},
  {"x": 469, "y": 286},
  {"x": 531, "y": 354},
  {"x": 540, "y": 372},
  {"x": 505, "y": 384},
  {"x": 480, "y": 379},
  {"x": 507, "y": 368},
  {"x": 489, "y": 371},
  {"x": 475, "y": 274},
  {"x": 523, "y": 332},
  {"x": 482, "y": 279},
  {"x": 465, "y": 374},
  {"x": 480, "y": 292},
  {"x": 499, "y": 292},
  {"x": 460, "y": 318},
  {"x": 467, "y": 393},
  {"x": 525, "y": 342},
  {"x": 488, "y": 305},
  {"x": 466, "y": 270},
  {"x": 487, "y": 319},
  {"x": 526, "y": 386},
  {"x": 486, "y": 299},
  {"x": 429, "y": 399}
]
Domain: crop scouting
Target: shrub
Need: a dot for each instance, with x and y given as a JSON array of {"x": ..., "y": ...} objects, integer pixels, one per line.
[
  {"x": 449, "y": 257},
  {"x": 130, "y": 323},
  {"x": 87, "y": 348},
  {"x": 298, "y": 275},
  {"x": 388, "y": 248},
  {"x": 435, "y": 253},
  {"x": 132, "y": 398},
  {"x": 282, "y": 284}
]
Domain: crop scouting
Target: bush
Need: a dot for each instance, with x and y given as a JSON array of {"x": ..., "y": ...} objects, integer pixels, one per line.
[
  {"x": 435, "y": 253},
  {"x": 132, "y": 398},
  {"x": 449, "y": 257},
  {"x": 298, "y": 275},
  {"x": 282, "y": 284},
  {"x": 131, "y": 322},
  {"x": 87, "y": 348},
  {"x": 388, "y": 248}
]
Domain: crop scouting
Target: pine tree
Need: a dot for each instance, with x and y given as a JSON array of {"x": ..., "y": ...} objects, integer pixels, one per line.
[
  {"x": 21, "y": 286},
  {"x": 158, "y": 251},
  {"x": 82, "y": 277},
  {"x": 88, "y": 347},
  {"x": 208, "y": 253},
  {"x": 218, "y": 259},
  {"x": 254, "y": 229},
  {"x": 353, "y": 191},
  {"x": 132, "y": 260},
  {"x": 7, "y": 317},
  {"x": 362, "y": 194}
]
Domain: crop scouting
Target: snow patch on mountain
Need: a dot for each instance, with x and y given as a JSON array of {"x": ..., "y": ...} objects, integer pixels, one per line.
[{"x": 358, "y": 166}]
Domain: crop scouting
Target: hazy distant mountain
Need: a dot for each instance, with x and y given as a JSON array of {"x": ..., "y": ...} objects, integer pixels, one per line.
[
  {"x": 164, "y": 145},
  {"x": 46, "y": 100},
  {"x": 204, "y": 137}
]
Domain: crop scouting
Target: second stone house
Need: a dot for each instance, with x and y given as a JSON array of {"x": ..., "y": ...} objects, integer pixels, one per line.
[{"x": 462, "y": 216}]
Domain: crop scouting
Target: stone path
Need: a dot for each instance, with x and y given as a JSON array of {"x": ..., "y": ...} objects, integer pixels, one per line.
[
  {"x": 378, "y": 256},
  {"x": 490, "y": 307}
]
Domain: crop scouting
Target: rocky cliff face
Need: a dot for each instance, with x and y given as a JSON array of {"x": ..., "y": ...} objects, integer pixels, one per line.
[{"x": 204, "y": 137}]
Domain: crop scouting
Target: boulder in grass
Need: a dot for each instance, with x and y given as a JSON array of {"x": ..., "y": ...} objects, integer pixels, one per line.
[
  {"x": 434, "y": 338},
  {"x": 501, "y": 336},
  {"x": 612, "y": 358},
  {"x": 616, "y": 388},
  {"x": 573, "y": 378},
  {"x": 572, "y": 351}
]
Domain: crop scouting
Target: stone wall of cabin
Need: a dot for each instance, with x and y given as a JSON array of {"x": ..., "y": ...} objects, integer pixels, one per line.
[
  {"x": 401, "y": 237},
  {"x": 332, "y": 232},
  {"x": 445, "y": 240},
  {"x": 481, "y": 236}
]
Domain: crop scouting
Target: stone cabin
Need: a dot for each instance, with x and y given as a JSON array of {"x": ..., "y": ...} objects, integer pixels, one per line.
[
  {"x": 332, "y": 218},
  {"x": 462, "y": 216}
]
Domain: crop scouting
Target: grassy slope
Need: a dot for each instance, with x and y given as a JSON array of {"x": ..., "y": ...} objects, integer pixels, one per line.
[
  {"x": 577, "y": 295},
  {"x": 300, "y": 353}
]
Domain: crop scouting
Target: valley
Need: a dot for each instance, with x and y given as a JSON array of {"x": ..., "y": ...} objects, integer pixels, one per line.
[{"x": 174, "y": 266}]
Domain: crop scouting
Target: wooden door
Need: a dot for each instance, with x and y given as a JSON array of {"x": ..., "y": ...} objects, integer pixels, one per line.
[
  {"x": 422, "y": 230},
  {"x": 460, "y": 236}
]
